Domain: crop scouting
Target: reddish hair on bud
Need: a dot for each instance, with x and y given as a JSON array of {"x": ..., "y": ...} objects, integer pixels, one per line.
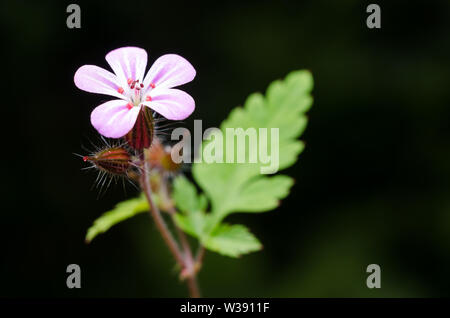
[{"x": 115, "y": 160}]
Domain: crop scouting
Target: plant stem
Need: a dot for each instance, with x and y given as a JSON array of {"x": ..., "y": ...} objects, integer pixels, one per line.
[
  {"x": 185, "y": 259},
  {"x": 156, "y": 215},
  {"x": 194, "y": 291},
  {"x": 190, "y": 264},
  {"x": 200, "y": 255}
]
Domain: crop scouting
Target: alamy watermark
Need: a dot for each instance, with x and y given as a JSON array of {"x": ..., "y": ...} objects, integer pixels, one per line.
[
  {"x": 237, "y": 145},
  {"x": 374, "y": 279},
  {"x": 373, "y": 21},
  {"x": 73, "y": 20},
  {"x": 74, "y": 279}
]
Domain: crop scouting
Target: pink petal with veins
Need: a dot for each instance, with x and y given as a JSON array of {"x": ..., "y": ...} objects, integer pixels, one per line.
[
  {"x": 94, "y": 79},
  {"x": 128, "y": 62},
  {"x": 169, "y": 71},
  {"x": 173, "y": 104},
  {"x": 114, "y": 119}
]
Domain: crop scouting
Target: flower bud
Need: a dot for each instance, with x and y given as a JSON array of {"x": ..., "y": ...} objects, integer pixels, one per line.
[
  {"x": 160, "y": 156},
  {"x": 141, "y": 136},
  {"x": 168, "y": 164},
  {"x": 115, "y": 160}
]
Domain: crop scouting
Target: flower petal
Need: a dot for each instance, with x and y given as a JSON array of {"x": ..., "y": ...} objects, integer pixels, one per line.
[
  {"x": 113, "y": 119},
  {"x": 173, "y": 104},
  {"x": 168, "y": 71},
  {"x": 94, "y": 79},
  {"x": 128, "y": 62}
]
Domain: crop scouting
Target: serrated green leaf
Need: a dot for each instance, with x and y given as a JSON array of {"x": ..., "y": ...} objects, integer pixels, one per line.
[
  {"x": 240, "y": 187},
  {"x": 232, "y": 240},
  {"x": 263, "y": 194},
  {"x": 122, "y": 211}
]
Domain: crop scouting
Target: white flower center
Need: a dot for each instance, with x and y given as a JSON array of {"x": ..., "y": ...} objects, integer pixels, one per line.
[{"x": 136, "y": 93}]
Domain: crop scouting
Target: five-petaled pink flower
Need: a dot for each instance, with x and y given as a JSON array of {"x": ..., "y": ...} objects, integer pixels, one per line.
[{"x": 117, "y": 117}]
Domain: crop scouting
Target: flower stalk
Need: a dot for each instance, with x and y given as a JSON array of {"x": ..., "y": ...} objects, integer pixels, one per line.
[
  {"x": 156, "y": 215},
  {"x": 183, "y": 256}
]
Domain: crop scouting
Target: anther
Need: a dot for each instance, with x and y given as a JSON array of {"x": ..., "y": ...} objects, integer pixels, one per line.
[
  {"x": 120, "y": 90},
  {"x": 152, "y": 85},
  {"x": 148, "y": 98},
  {"x": 129, "y": 105}
]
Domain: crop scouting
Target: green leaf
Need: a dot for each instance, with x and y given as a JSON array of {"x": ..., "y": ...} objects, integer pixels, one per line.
[
  {"x": 240, "y": 187},
  {"x": 122, "y": 211},
  {"x": 263, "y": 194},
  {"x": 185, "y": 196},
  {"x": 192, "y": 205},
  {"x": 244, "y": 187},
  {"x": 232, "y": 240},
  {"x": 193, "y": 223}
]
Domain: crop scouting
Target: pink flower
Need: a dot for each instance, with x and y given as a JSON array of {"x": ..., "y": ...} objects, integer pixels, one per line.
[{"x": 116, "y": 118}]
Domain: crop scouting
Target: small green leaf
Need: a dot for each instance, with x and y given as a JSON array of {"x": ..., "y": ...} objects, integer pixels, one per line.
[
  {"x": 192, "y": 206},
  {"x": 232, "y": 240},
  {"x": 193, "y": 223},
  {"x": 185, "y": 195},
  {"x": 122, "y": 211}
]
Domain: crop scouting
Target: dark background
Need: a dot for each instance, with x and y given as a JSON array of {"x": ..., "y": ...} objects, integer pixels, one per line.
[{"x": 372, "y": 185}]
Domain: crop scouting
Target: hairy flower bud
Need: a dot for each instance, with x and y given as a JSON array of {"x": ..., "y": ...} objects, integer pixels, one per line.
[
  {"x": 115, "y": 160},
  {"x": 141, "y": 136}
]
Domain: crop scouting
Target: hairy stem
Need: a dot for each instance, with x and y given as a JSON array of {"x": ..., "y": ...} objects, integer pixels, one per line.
[
  {"x": 190, "y": 264},
  {"x": 156, "y": 215},
  {"x": 184, "y": 259}
]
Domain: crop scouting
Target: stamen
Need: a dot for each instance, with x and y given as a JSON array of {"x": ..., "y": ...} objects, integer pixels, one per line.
[
  {"x": 120, "y": 90},
  {"x": 152, "y": 85},
  {"x": 129, "y": 81},
  {"x": 142, "y": 85},
  {"x": 85, "y": 158},
  {"x": 129, "y": 105},
  {"x": 148, "y": 98}
]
